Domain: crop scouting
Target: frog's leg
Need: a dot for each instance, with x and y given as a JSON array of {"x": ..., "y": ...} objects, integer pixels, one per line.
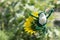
[
  {"x": 37, "y": 28},
  {"x": 44, "y": 29},
  {"x": 33, "y": 16},
  {"x": 50, "y": 12}
]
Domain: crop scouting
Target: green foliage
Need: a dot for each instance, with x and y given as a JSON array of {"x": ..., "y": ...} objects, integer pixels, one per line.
[{"x": 3, "y": 35}]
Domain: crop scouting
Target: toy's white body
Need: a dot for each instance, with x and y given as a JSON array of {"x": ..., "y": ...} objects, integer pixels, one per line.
[{"x": 42, "y": 19}]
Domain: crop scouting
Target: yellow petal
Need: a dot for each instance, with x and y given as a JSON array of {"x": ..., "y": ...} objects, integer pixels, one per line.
[{"x": 35, "y": 14}]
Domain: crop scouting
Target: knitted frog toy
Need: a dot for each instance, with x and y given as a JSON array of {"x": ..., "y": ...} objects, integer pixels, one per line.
[{"x": 38, "y": 23}]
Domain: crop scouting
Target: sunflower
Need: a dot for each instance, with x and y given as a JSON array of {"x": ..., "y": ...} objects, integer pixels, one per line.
[{"x": 28, "y": 23}]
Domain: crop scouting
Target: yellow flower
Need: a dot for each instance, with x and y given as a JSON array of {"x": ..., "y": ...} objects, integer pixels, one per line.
[
  {"x": 28, "y": 23},
  {"x": 35, "y": 14},
  {"x": 30, "y": 19},
  {"x": 29, "y": 30}
]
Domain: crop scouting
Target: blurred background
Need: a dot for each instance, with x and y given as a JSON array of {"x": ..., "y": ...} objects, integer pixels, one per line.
[{"x": 14, "y": 12}]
